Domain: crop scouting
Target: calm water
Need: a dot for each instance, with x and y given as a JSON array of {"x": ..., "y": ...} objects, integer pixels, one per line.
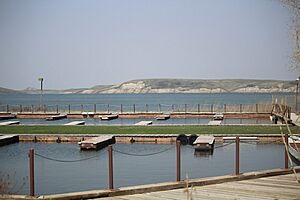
[
  {"x": 59, "y": 177},
  {"x": 141, "y": 99}
]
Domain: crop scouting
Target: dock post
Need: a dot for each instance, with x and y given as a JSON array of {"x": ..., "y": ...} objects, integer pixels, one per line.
[
  {"x": 56, "y": 108},
  {"x": 110, "y": 167},
  {"x": 224, "y": 108},
  {"x": 241, "y": 106},
  {"x": 172, "y": 107},
  {"x": 147, "y": 109},
  {"x": 21, "y": 108},
  {"x": 256, "y": 108},
  {"x": 44, "y": 108},
  {"x": 185, "y": 108},
  {"x": 32, "y": 108},
  {"x": 7, "y": 108},
  {"x": 107, "y": 108},
  {"x": 121, "y": 108},
  {"x": 159, "y": 108},
  {"x": 69, "y": 108},
  {"x": 31, "y": 171},
  {"x": 81, "y": 108},
  {"x": 133, "y": 108},
  {"x": 95, "y": 108},
  {"x": 286, "y": 158},
  {"x": 178, "y": 160},
  {"x": 198, "y": 107},
  {"x": 237, "y": 156},
  {"x": 212, "y": 108}
]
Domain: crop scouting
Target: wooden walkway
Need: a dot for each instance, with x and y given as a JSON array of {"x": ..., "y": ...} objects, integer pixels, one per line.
[{"x": 275, "y": 187}]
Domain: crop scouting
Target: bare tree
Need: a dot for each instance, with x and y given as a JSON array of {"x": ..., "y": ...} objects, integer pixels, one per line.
[{"x": 294, "y": 6}]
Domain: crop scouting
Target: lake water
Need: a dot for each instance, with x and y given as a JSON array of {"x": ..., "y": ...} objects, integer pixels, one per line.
[{"x": 60, "y": 177}]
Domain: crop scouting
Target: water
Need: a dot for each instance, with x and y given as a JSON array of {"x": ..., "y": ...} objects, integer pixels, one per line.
[
  {"x": 60, "y": 177},
  {"x": 141, "y": 99}
]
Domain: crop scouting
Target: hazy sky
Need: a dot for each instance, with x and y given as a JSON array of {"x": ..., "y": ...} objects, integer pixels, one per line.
[{"x": 82, "y": 43}]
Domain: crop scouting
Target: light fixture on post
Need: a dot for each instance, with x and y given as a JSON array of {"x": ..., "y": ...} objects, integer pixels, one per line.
[{"x": 41, "y": 95}]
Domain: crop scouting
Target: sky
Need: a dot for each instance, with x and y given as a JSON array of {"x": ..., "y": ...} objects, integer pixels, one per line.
[{"x": 83, "y": 43}]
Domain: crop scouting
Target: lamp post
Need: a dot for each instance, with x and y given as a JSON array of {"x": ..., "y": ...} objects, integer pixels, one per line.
[
  {"x": 297, "y": 89},
  {"x": 41, "y": 96}
]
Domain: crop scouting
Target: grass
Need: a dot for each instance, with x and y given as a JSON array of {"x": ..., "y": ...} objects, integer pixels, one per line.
[{"x": 194, "y": 129}]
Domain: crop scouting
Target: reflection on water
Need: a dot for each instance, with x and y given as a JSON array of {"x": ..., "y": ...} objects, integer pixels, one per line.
[
  {"x": 59, "y": 177},
  {"x": 203, "y": 153}
]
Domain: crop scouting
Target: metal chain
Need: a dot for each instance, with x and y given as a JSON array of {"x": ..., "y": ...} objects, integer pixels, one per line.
[
  {"x": 149, "y": 154},
  {"x": 67, "y": 161}
]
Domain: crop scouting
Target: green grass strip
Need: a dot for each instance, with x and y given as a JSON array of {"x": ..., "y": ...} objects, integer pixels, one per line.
[{"x": 194, "y": 129}]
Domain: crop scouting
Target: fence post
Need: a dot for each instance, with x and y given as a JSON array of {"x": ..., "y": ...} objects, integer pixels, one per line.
[
  {"x": 31, "y": 171},
  {"x": 147, "y": 108},
  {"x": 286, "y": 158},
  {"x": 212, "y": 108},
  {"x": 256, "y": 108},
  {"x": 185, "y": 108},
  {"x": 237, "y": 156},
  {"x": 21, "y": 108},
  {"x": 81, "y": 108},
  {"x": 121, "y": 110},
  {"x": 198, "y": 107},
  {"x": 133, "y": 108},
  {"x": 178, "y": 160},
  {"x": 95, "y": 108},
  {"x": 241, "y": 105},
  {"x": 44, "y": 108},
  {"x": 224, "y": 108},
  {"x": 107, "y": 108},
  {"x": 110, "y": 167},
  {"x": 56, "y": 108},
  {"x": 69, "y": 108},
  {"x": 32, "y": 108},
  {"x": 7, "y": 108}
]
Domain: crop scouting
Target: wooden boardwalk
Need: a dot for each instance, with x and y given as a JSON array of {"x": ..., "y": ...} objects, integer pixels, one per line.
[{"x": 275, "y": 187}]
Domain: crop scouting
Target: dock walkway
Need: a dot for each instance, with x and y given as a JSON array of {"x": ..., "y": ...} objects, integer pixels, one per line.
[{"x": 275, "y": 187}]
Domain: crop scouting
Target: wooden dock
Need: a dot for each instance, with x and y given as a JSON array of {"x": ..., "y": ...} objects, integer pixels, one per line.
[
  {"x": 96, "y": 143},
  {"x": 108, "y": 117},
  {"x": 8, "y": 139},
  {"x": 162, "y": 117},
  {"x": 275, "y": 187},
  {"x": 75, "y": 123},
  {"x": 56, "y": 117},
  {"x": 143, "y": 123},
  {"x": 10, "y": 116},
  {"x": 215, "y": 122},
  {"x": 9, "y": 123}
]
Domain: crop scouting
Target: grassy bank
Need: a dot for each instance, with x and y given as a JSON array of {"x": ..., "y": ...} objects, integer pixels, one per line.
[{"x": 20, "y": 129}]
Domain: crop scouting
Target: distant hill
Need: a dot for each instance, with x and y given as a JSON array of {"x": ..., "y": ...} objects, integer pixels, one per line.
[
  {"x": 177, "y": 86},
  {"x": 192, "y": 86},
  {"x": 8, "y": 91}
]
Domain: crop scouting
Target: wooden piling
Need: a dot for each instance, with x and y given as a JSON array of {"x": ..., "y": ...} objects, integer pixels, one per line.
[
  {"x": 237, "y": 156},
  {"x": 31, "y": 171},
  {"x": 286, "y": 158},
  {"x": 110, "y": 167},
  {"x": 178, "y": 160}
]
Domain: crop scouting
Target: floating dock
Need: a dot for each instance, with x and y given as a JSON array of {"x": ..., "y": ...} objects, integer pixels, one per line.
[
  {"x": 163, "y": 117},
  {"x": 88, "y": 114},
  {"x": 204, "y": 143},
  {"x": 9, "y": 123},
  {"x": 108, "y": 117},
  {"x": 56, "y": 117},
  {"x": 5, "y": 117},
  {"x": 143, "y": 123},
  {"x": 97, "y": 143},
  {"x": 75, "y": 123},
  {"x": 8, "y": 139},
  {"x": 215, "y": 122}
]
